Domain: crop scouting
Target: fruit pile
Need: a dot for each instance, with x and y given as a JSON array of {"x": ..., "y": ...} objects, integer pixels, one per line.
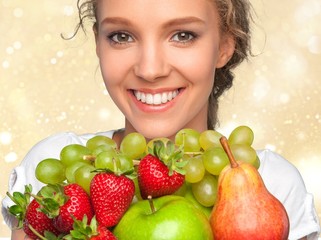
[{"x": 137, "y": 190}]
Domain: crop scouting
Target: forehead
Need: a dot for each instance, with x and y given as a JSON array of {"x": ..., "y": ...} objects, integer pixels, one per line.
[{"x": 156, "y": 9}]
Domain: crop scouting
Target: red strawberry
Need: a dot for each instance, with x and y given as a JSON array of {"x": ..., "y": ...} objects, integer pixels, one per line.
[
  {"x": 81, "y": 230},
  {"x": 104, "y": 234},
  {"x": 111, "y": 196},
  {"x": 64, "y": 204},
  {"x": 38, "y": 221},
  {"x": 160, "y": 172},
  {"x": 77, "y": 206},
  {"x": 29, "y": 217}
]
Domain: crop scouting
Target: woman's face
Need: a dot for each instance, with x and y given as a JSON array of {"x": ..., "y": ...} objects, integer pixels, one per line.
[{"x": 158, "y": 61}]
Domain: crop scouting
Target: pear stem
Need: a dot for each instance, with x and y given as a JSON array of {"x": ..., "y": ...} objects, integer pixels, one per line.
[
  {"x": 228, "y": 151},
  {"x": 151, "y": 203}
]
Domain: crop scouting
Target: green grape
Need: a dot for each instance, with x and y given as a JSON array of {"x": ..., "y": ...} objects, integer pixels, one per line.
[
  {"x": 107, "y": 160},
  {"x": 195, "y": 169},
  {"x": 209, "y": 139},
  {"x": 73, "y": 153},
  {"x": 133, "y": 145},
  {"x": 84, "y": 175},
  {"x": 205, "y": 191},
  {"x": 71, "y": 169},
  {"x": 241, "y": 135},
  {"x": 125, "y": 162},
  {"x": 50, "y": 171},
  {"x": 214, "y": 160},
  {"x": 245, "y": 153},
  {"x": 99, "y": 140},
  {"x": 257, "y": 163},
  {"x": 101, "y": 148},
  {"x": 150, "y": 144},
  {"x": 189, "y": 196},
  {"x": 189, "y": 139}
]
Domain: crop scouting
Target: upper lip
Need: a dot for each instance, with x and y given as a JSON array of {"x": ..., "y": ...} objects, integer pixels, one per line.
[{"x": 155, "y": 91}]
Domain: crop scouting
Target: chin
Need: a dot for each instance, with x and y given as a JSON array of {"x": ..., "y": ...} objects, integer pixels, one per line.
[{"x": 157, "y": 130}]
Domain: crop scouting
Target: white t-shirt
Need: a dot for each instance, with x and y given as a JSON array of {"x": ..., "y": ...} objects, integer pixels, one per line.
[{"x": 281, "y": 178}]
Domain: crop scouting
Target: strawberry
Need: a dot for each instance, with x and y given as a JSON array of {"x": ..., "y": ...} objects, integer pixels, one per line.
[
  {"x": 81, "y": 230},
  {"x": 36, "y": 220},
  {"x": 111, "y": 196},
  {"x": 64, "y": 204},
  {"x": 160, "y": 172},
  {"x": 30, "y": 219}
]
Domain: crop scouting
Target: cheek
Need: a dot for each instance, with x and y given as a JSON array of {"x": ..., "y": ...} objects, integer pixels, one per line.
[
  {"x": 198, "y": 66},
  {"x": 113, "y": 69}
]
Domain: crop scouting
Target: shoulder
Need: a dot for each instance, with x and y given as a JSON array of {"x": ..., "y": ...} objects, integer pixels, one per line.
[
  {"x": 284, "y": 181},
  {"x": 278, "y": 173},
  {"x": 280, "y": 176}
]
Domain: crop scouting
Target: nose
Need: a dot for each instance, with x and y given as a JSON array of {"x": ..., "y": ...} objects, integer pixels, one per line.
[{"x": 152, "y": 63}]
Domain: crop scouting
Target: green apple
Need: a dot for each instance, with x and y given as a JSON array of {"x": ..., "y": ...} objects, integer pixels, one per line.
[{"x": 165, "y": 218}]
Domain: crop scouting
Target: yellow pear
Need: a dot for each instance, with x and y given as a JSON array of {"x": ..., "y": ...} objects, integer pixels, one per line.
[{"x": 244, "y": 208}]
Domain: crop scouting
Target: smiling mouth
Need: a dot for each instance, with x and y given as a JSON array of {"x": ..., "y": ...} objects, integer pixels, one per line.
[{"x": 157, "y": 98}]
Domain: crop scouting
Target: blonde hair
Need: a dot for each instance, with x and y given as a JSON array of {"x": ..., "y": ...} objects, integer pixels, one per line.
[{"x": 235, "y": 19}]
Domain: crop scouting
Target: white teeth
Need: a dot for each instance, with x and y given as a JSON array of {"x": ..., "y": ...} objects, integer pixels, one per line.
[{"x": 155, "y": 99}]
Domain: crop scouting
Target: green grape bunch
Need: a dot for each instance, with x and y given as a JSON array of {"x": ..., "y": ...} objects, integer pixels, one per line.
[{"x": 202, "y": 150}]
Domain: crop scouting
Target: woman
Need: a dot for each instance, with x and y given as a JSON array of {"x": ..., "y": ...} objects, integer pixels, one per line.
[{"x": 165, "y": 64}]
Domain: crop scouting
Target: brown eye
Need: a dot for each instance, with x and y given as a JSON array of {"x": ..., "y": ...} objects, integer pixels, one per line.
[
  {"x": 121, "y": 38},
  {"x": 183, "y": 37}
]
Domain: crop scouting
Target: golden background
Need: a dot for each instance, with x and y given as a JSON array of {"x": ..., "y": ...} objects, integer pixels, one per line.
[{"x": 49, "y": 85}]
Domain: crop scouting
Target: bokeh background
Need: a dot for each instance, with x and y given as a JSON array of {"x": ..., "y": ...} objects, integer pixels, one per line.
[{"x": 49, "y": 85}]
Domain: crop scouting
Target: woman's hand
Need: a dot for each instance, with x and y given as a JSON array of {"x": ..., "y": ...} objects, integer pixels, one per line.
[{"x": 19, "y": 235}]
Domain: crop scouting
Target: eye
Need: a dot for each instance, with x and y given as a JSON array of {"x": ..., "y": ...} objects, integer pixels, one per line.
[
  {"x": 120, "y": 38},
  {"x": 183, "y": 37}
]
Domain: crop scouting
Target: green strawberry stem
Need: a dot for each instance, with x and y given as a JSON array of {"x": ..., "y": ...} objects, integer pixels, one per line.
[
  {"x": 151, "y": 203},
  {"x": 36, "y": 233},
  {"x": 21, "y": 201}
]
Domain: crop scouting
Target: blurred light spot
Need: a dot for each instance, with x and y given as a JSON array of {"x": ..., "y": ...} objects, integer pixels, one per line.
[
  {"x": 5, "y": 138},
  {"x": 18, "y": 12},
  {"x": 314, "y": 45},
  {"x": 284, "y": 98},
  {"x": 60, "y": 54},
  {"x": 47, "y": 37},
  {"x": 62, "y": 116},
  {"x": 68, "y": 10},
  {"x": 11, "y": 157},
  {"x": 301, "y": 136},
  {"x": 261, "y": 87},
  {"x": 10, "y": 50},
  {"x": 5, "y": 64},
  {"x": 104, "y": 114},
  {"x": 17, "y": 45},
  {"x": 295, "y": 65},
  {"x": 53, "y": 61},
  {"x": 270, "y": 147},
  {"x": 287, "y": 122}
]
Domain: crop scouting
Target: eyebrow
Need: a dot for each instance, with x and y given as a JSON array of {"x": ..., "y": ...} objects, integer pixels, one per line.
[{"x": 172, "y": 22}]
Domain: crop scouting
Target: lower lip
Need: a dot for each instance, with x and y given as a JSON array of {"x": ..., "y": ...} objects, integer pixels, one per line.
[{"x": 154, "y": 108}]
